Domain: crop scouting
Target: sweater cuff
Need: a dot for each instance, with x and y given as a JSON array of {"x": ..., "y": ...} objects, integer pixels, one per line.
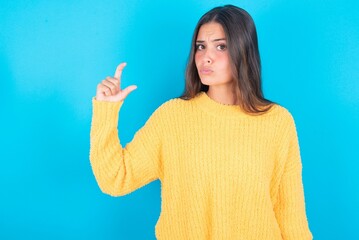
[{"x": 105, "y": 112}]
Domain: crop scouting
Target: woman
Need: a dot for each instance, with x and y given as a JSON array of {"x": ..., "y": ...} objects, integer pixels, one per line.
[{"x": 228, "y": 159}]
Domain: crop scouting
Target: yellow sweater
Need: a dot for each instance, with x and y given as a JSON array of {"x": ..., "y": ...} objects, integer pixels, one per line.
[{"x": 224, "y": 174}]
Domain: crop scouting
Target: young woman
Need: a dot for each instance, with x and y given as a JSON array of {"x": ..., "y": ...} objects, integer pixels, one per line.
[{"x": 228, "y": 159}]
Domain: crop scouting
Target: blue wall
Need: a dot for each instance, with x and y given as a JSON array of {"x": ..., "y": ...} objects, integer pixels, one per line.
[{"x": 53, "y": 54}]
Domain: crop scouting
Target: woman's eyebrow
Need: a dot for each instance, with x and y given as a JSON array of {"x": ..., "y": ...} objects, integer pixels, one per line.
[{"x": 214, "y": 40}]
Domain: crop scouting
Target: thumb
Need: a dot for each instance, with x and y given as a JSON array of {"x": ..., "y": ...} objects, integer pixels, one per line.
[{"x": 129, "y": 89}]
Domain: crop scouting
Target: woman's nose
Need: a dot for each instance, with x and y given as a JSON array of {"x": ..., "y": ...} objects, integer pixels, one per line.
[{"x": 207, "y": 57}]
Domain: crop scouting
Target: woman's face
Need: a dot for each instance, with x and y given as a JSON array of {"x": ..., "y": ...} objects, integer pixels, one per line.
[{"x": 212, "y": 57}]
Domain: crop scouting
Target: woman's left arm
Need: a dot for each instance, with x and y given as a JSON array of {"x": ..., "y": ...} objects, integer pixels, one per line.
[{"x": 290, "y": 206}]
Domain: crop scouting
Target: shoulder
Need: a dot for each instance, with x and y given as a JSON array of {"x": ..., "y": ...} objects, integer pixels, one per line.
[
  {"x": 281, "y": 112},
  {"x": 172, "y": 105},
  {"x": 282, "y": 119},
  {"x": 171, "y": 109},
  {"x": 285, "y": 123}
]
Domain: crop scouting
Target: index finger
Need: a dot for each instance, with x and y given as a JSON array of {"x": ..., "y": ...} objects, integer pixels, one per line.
[{"x": 119, "y": 70}]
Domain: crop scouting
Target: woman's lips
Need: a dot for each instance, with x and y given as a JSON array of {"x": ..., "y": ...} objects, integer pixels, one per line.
[{"x": 205, "y": 71}]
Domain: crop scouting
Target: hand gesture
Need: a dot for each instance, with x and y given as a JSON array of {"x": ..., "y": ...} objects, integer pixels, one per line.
[{"x": 109, "y": 89}]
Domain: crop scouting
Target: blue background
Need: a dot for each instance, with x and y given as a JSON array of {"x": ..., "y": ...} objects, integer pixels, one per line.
[{"x": 54, "y": 53}]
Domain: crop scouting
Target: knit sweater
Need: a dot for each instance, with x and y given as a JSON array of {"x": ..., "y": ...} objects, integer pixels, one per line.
[{"x": 224, "y": 174}]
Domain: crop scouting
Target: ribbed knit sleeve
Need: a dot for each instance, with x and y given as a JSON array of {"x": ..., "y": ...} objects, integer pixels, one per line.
[
  {"x": 290, "y": 206},
  {"x": 121, "y": 170}
]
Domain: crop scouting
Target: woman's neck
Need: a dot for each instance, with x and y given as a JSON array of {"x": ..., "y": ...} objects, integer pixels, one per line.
[{"x": 222, "y": 95}]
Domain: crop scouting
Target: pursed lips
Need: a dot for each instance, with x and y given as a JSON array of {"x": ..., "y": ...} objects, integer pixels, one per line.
[{"x": 205, "y": 71}]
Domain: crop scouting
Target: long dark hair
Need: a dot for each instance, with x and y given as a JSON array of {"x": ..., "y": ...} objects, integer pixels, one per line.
[{"x": 242, "y": 45}]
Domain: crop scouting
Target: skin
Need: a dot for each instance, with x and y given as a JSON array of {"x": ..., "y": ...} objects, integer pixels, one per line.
[
  {"x": 212, "y": 54},
  {"x": 109, "y": 90}
]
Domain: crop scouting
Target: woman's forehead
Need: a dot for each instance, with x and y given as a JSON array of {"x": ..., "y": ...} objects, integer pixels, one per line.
[{"x": 210, "y": 31}]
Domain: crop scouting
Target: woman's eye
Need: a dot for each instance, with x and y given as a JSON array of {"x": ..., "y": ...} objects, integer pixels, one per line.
[
  {"x": 199, "y": 47},
  {"x": 221, "y": 47}
]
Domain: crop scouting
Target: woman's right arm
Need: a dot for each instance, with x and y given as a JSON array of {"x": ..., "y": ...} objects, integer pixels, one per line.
[{"x": 119, "y": 170}]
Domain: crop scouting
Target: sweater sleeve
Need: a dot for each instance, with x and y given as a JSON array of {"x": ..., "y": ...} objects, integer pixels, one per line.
[
  {"x": 119, "y": 171},
  {"x": 290, "y": 206}
]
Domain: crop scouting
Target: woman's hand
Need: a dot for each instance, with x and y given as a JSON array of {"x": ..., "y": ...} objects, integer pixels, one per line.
[{"x": 109, "y": 89}]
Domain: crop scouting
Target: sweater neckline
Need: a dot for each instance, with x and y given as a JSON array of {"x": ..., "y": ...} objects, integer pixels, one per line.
[{"x": 219, "y": 109}]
